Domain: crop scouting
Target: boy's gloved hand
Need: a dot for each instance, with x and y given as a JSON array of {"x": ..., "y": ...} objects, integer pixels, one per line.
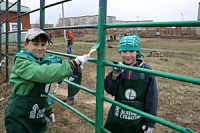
[
  {"x": 81, "y": 60},
  {"x": 116, "y": 71},
  {"x": 50, "y": 118},
  {"x": 147, "y": 129},
  {"x": 71, "y": 79}
]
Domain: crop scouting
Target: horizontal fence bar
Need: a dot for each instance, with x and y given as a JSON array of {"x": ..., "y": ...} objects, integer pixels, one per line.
[
  {"x": 156, "y": 24},
  {"x": 9, "y": 44},
  {"x": 105, "y": 130},
  {"x": 154, "y": 118},
  {"x": 69, "y": 55},
  {"x": 9, "y": 32},
  {"x": 56, "y": 3},
  {"x": 157, "y": 73},
  {"x": 11, "y": 57},
  {"x": 11, "y": 5},
  {"x": 10, "y": 68},
  {"x": 37, "y": 9},
  {"x": 73, "y": 27},
  {"x": 81, "y": 87},
  {"x": 7, "y": 55},
  {"x": 59, "y": 53},
  {"x": 23, "y": 14},
  {"x": 73, "y": 109},
  {"x": 2, "y": 53},
  {"x": 12, "y": 18},
  {"x": 24, "y": 30}
]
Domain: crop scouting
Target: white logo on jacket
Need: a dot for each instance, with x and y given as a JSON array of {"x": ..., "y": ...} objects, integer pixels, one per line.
[
  {"x": 125, "y": 114},
  {"x": 130, "y": 94},
  {"x": 36, "y": 112}
]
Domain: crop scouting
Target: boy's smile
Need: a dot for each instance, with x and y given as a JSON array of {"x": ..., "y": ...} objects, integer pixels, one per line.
[
  {"x": 129, "y": 57},
  {"x": 37, "y": 48}
]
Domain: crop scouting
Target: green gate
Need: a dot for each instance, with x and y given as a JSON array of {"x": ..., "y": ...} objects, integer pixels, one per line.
[{"x": 100, "y": 60}]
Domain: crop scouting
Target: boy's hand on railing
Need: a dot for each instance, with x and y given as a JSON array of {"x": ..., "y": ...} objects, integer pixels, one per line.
[
  {"x": 116, "y": 71},
  {"x": 81, "y": 60}
]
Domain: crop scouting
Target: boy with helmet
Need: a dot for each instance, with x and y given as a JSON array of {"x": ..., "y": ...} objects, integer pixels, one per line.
[
  {"x": 31, "y": 76},
  {"x": 138, "y": 90}
]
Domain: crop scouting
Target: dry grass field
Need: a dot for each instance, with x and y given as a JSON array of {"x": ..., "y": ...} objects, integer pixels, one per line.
[{"x": 179, "y": 102}]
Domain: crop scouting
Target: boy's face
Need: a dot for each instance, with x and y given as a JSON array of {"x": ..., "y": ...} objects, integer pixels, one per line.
[
  {"x": 36, "y": 47},
  {"x": 129, "y": 57}
]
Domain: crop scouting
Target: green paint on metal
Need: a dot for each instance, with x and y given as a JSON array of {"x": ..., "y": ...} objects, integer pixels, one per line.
[
  {"x": 94, "y": 48},
  {"x": 18, "y": 25},
  {"x": 100, "y": 67},
  {"x": 81, "y": 87},
  {"x": 157, "y": 73},
  {"x": 73, "y": 109},
  {"x": 156, "y": 24}
]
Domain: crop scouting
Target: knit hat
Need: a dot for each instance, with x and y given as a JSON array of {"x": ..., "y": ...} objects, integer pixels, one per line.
[
  {"x": 129, "y": 43},
  {"x": 35, "y": 32}
]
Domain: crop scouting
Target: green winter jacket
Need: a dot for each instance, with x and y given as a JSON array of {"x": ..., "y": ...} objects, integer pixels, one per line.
[{"x": 26, "y": 72}]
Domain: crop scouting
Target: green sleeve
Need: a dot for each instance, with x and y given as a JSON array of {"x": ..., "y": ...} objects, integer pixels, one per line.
[
  {"x": 29, "y": 70},
  {"x": 26, "y": 72}
]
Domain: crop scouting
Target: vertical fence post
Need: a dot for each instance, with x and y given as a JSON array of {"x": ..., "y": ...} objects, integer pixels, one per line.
[
  {"x": 100, "y": 67},
  {"x": 18, "y": 25},
  {"x": 0, "y": 40},
  {"x": 7, "y": 17},
  {"x": 198, "y": 17},
  {"x": 42, "y": 14}
]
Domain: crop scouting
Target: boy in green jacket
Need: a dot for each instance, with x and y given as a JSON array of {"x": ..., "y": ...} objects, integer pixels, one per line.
[{"x": 31, "y": 77}]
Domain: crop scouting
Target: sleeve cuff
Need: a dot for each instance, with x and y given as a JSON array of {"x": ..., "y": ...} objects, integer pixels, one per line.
[{"x": 74, "y": 66}]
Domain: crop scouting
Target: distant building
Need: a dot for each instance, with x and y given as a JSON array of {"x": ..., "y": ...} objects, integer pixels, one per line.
[
  {"x": 83, "y": 20},
  {"x": 12, "y": 24},
  {"x": 25, "y": 19},
  {"x": 38, "y": 25},
  {"x": 93, "y": 19},
  {"x": 129, "y": 30},
  {"x": 165, "y": 32}
]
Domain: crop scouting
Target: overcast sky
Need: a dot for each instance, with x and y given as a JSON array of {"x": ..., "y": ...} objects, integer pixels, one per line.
[{"x": 130, "y": 10}]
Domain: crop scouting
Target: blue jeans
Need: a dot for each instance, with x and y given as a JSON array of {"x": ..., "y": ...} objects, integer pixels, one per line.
[{"x": 69, "y": 47}]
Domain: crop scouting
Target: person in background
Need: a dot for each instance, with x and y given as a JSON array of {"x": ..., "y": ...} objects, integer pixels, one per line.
[
  {"x": 75, "y": 78},
  {"x": 32, "y": 75},
  {"x": 115, "y": 36},
  {"x": 70, "y": 40},
  {"x": 136, "y": 89},
  {"x": 73, "y": 90}
]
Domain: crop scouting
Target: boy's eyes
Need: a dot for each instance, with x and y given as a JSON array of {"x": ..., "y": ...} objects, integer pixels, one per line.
[
  {"x": 37, "y": 44},
  {"x": 43, "y": 44}
]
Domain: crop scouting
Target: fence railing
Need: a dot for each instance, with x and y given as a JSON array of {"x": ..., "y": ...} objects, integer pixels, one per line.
[{"x": 100, "y": 60}]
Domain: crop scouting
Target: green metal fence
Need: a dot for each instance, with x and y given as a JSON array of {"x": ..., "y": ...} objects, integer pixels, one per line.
[{"x": 100, "y": 60}]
